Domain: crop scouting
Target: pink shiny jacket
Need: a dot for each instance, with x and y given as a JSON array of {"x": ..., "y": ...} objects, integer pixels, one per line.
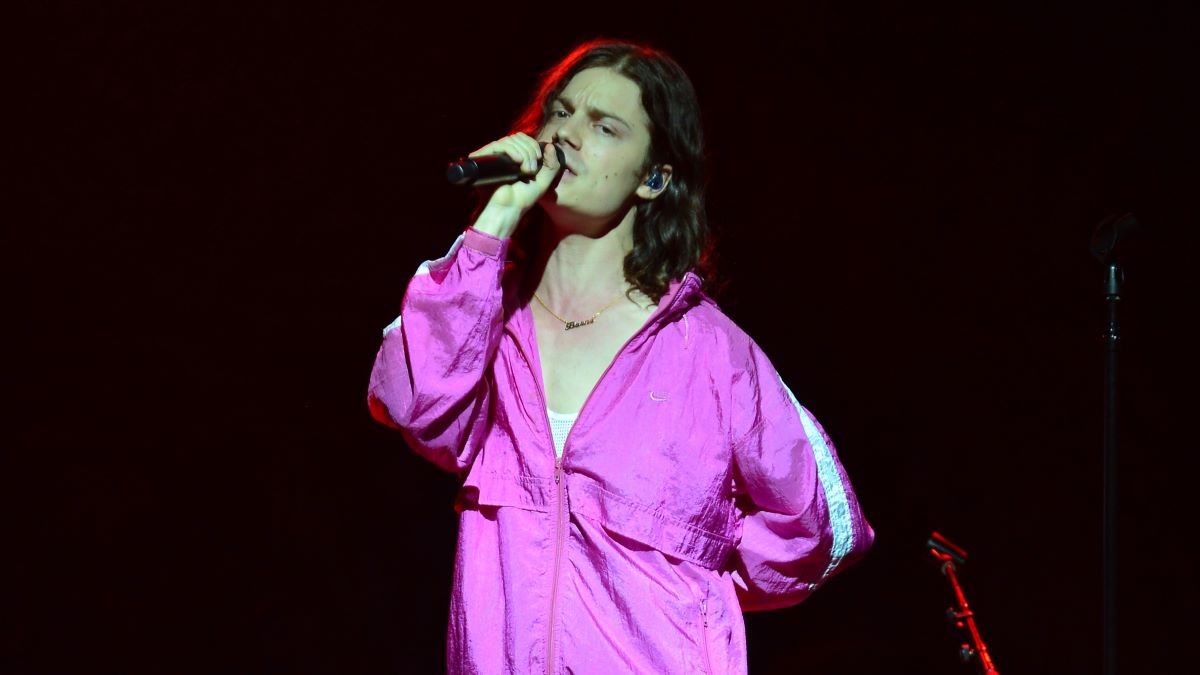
[{"x": 692, "y": 486}]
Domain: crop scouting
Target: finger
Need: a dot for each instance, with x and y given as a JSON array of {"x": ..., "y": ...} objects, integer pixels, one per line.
[
  {"x": 551, "y": 167},
  {"x": 550, "y": 157},
  {"x": 519, "y": 147},
  {"x": 508, "y": 146},
  {"x": 532, "y": 152},
  {"x": 515, "y": 150},
  {"x": 529, "y": 144}
]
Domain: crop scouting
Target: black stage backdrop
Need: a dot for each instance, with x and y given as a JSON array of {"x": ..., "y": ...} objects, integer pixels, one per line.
[{"x": 220, "y": 206}]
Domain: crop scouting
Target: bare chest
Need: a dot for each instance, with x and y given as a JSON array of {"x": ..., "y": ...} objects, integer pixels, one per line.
[{"x": 573, "y": 361}]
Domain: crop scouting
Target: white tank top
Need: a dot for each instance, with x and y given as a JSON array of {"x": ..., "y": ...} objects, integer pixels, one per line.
[{"x": 560, "y": 426}]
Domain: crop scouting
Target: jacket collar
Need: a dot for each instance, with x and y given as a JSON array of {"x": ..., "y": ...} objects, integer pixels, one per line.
[{"x": 681, "y": 294}]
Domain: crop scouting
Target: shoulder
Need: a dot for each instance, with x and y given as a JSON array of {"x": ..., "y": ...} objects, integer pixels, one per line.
[{"x": 711, "y": 327}]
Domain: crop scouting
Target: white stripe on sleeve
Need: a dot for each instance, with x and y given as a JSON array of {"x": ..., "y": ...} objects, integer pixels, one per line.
[{"x": 831, "y": 484}]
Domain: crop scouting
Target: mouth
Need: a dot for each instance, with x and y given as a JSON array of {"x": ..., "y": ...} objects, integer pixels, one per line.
[{"x": 568, "y": 163}]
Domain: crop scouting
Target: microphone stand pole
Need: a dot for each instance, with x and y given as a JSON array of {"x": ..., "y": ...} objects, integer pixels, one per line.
[
  {"x": 1112, "y": 292},
  {"x": 1104, "y": 242}
]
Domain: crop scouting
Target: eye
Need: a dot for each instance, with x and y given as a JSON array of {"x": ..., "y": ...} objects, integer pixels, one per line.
[
  {"x": 560, "y": 114},
  {"x": 606, "y": 130}
]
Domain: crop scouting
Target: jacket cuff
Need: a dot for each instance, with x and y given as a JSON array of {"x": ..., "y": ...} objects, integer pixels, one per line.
[{"x": 485, "y": 243}]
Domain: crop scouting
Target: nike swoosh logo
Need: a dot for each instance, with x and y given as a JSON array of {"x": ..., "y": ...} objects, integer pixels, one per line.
[{"x": 658, "y": 396}]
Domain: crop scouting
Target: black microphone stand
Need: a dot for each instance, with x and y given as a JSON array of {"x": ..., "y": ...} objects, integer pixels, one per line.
[
  {"x": 950, "y": 557},
  {"x": 1112, "y": 336},
  {"x": 1104, "y": 242}
]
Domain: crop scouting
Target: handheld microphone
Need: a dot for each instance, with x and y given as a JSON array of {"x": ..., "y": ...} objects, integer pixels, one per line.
[{"x": 489, "y": 169}]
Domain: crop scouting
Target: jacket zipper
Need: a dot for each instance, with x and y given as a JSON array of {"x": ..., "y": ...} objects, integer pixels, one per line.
[
  {"x": 559, "y": 489},
  {"x": 704, "y": 635},
  {"x": 558, "y": 522},
  {"x": 558, "y": 542},
  {"x": 558, "y": 511}
]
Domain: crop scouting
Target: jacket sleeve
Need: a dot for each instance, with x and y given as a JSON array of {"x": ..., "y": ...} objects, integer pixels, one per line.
[
  {"x": 430, "y": 374},
  {"x": 802, "y": 522}
]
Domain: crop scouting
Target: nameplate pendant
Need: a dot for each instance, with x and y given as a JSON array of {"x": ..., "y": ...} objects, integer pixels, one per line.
[{"x": 577, "y": 324}]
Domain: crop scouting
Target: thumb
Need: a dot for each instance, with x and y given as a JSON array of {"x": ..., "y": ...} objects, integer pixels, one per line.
[{"x": 552, "y": 164}]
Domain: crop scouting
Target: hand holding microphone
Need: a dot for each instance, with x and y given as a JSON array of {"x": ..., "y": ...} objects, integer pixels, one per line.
[
  {"x": 478, "y": 170},
  {"x": 517, "y": 192}
]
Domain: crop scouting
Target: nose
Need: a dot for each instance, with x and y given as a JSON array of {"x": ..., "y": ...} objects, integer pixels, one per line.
[{"x": 566, "y": 133}]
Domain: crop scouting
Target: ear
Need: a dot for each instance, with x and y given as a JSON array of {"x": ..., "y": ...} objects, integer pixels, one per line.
[{"x": 654, "y": 182}]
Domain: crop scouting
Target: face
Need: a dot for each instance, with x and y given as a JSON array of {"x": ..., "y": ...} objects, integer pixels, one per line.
[{"x": 604, "y": 132}]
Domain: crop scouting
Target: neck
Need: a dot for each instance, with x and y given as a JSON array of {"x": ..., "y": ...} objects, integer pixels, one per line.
[{"x": 577, "y": 270}]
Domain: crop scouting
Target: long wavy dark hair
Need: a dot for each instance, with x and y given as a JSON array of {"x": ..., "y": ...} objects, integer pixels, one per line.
[{"x": 670, "y": 233}]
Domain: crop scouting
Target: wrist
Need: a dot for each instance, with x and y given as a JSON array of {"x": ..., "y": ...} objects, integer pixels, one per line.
[
  {"x": 498, "y": 221},
  {"x": 485, "y": 243}
]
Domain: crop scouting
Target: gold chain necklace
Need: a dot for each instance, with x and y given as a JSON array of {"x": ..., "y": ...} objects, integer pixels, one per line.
[{"x": 568, "y": 325}]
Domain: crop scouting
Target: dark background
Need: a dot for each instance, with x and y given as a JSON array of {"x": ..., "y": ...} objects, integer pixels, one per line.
[{"x": 219, "y": 206}]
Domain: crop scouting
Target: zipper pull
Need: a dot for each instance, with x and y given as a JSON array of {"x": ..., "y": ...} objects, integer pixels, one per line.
[
  {"x": 557, "y": 470},
  {"x": 704, "y": 611}
]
